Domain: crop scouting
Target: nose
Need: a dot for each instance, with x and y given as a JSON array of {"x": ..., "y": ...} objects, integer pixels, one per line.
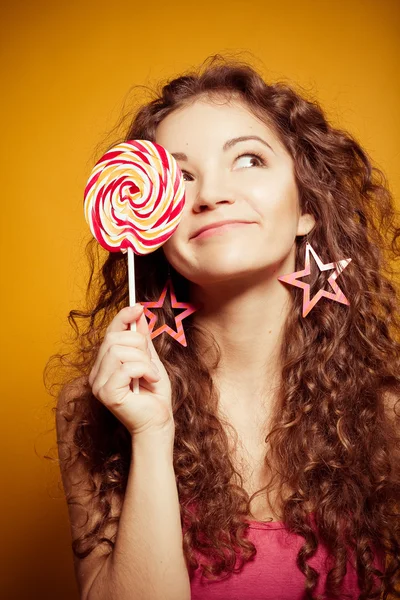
[{"x": 212, "y": 191}]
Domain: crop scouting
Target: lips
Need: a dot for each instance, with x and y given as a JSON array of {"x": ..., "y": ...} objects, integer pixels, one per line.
[{"x": 217, "y": 224}]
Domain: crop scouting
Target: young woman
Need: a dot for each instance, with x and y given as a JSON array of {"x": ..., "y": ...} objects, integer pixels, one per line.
[{"x": 262, "y": 460}]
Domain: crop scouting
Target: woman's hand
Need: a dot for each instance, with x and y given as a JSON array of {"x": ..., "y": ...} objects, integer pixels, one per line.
[{"x": 125, "y": 355}]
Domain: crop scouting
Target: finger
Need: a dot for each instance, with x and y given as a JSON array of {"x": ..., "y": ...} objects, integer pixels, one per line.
[
  {"x": 112, "y": 361},
  {"x": 117, "y": 396},
  {"x": 125, "y": 317},
  {"x": 132, "y": 339},
  {"x": 142, "y": 326},
  {"x": 110, "y": 390},
  {"x": 119, "y": 338}
]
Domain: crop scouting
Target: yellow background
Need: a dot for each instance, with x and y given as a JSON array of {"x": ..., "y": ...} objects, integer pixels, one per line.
[{"x": 67, "y": 69}]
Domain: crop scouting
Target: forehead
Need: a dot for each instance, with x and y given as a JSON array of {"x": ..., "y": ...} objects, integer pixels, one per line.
[{"x": 210, "y": 121}]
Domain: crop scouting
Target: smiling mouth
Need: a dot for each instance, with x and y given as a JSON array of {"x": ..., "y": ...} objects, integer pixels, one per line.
[{"x": 218, "y": 230}]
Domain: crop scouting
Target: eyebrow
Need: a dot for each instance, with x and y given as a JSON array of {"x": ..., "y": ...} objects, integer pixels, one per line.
[{"x": 227, "y": 145}]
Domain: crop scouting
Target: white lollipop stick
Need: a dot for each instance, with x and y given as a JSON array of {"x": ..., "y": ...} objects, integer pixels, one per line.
[
  {"x": 132, "y": 300},
  {"x": 133, "y": 202}
]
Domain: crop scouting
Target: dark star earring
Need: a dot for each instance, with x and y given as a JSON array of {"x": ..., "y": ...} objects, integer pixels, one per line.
[{"x": 179, "y": 334}]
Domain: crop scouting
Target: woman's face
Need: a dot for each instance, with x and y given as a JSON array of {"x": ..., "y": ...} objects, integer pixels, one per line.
[{"x": 250, "y": 181}]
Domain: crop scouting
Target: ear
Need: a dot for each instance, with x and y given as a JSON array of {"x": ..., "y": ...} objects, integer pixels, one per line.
[{"x": 306, "y": 224}]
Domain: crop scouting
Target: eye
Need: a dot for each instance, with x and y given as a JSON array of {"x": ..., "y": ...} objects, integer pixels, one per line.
[
  {"x": 260, "y": 162},
  {"x": 254, "y": 156},
  {"x": 186, "y": 174}
]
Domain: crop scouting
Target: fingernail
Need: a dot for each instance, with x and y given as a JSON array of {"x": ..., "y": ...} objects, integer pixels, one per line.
[{"x": 136, "y": 306}]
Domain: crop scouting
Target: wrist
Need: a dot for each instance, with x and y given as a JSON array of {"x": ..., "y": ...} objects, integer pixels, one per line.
[{"x": 155, "y": 438}]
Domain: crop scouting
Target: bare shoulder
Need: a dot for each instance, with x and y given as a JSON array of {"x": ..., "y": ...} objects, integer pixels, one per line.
[
  {"x": 65, "y": 423},
  {"x": 80, "y": 490},
  {"x": 391, "y": 400},
  {"x": 69, "y": 391}
]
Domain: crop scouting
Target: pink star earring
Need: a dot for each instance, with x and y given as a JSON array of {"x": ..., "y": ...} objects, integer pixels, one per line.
[
  {"x": 338, "y": 267},
  {"x": 179, "y": 334}
]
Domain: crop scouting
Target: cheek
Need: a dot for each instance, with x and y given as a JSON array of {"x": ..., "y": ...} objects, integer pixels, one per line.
[
  {"x": 170, "y": 247},
  {"x": 174, "y": 253},
  {"x": 176, "y": 247},
  {"x": 277, "y": 202}
]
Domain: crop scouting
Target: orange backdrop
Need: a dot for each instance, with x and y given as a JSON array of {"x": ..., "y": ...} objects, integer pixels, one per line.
[{"x": 67, "y": 68}]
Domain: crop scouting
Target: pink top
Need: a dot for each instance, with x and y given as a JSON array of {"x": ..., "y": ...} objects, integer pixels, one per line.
[{"x": 273, "y": 573}]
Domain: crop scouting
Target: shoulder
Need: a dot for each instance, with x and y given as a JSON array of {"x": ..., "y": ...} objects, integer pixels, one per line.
[
  {"x": 391, "y": 417},
  {"x": 71, "y": 390},
  {"x": 64, "y": 410},
  {"x": 391, "y": 401}
]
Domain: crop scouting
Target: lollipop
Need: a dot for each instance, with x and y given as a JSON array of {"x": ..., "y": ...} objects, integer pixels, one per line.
[
  {"x": 134, "y": 197},
  {"x": 133, "y": 201}
]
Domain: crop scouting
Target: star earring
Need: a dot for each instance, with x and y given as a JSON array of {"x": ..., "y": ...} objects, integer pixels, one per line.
[
  {"x": 179, "y": 334},
  {"x": 338, "y": 267}
]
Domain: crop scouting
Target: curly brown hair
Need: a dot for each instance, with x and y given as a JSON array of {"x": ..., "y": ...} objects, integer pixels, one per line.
[{"x": 334, "y": 438}]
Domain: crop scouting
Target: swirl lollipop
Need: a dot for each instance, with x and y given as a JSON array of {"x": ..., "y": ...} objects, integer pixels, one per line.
[
  {"x": 133, "y": 201},
  {"x": 134, "y": 197}
]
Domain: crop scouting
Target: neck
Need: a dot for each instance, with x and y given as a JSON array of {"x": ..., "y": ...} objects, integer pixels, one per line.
[{"x": 246, "y": 319}]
